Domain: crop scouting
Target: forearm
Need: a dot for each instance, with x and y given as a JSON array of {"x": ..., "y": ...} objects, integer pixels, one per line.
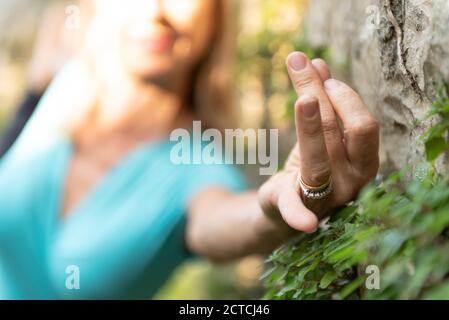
[{"x": 225, "y": 227}]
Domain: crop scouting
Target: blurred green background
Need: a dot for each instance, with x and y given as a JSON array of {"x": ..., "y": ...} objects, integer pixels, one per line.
[{"x": 268, "y": 31}]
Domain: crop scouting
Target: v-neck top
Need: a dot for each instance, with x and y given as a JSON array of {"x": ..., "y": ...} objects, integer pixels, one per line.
[{"x": 121, "y": 242}]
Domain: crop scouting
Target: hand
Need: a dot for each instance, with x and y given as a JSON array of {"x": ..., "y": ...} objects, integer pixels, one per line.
[{"x": 347, "y": 153}]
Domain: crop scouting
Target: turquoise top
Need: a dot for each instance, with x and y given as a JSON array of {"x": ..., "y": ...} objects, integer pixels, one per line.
[{"x": 124, "y": 238}]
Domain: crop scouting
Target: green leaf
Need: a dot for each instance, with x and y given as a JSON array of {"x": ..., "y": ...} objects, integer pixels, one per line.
[
  {"x": 327, "y": 279},
  {"x": 435, "y": 147},
  {"x": 311, "y": 288},
  {"x": 268, "y": 273},
  {"x": 341, "y": 253},
  {"x": 441, "y": 292},
  {"x": 351, "y": 287},
  {"x": 401, "y": 225}
]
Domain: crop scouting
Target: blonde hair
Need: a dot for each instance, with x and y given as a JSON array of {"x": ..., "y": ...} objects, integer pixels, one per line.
[{"x": 212, "y": 96}]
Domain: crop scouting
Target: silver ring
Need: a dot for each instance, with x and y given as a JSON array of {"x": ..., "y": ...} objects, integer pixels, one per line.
[{"x": 316, "y": 193}]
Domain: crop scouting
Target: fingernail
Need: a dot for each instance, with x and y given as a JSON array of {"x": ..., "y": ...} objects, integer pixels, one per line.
[
  {"x": 297, "y": 61},
  {"x": 309, "y": 108},
  {"x": 331, "y": 84}
]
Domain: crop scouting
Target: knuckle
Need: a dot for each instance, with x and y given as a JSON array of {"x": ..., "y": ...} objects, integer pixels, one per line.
[
  {"x": 347, "y": 94},
  {"x": 329, "y": 126},
  {"x": 312, "y": 129},
  {"x": 364, "y": 128},
  {"x": 317, "y": 175},
  {"x": 306, "y": 80}
]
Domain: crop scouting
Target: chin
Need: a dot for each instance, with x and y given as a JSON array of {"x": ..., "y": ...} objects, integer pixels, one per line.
[{"x": 151, "y": 69}]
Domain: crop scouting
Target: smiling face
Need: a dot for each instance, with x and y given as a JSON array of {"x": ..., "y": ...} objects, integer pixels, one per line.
[
  {"x": 157, "y": 39},
  {"x": 186, "y": 47}
]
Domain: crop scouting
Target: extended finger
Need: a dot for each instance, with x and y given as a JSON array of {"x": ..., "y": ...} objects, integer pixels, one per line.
[
  {"x": 307, "y": 81},
  {"x": 360, "y": 127},
  {"x": 315, "y": 168}
]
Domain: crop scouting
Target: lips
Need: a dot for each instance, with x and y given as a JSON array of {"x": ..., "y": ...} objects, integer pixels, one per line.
[
  {"x": 158, "y": 43},
  {"x": 151, "y": 39}
]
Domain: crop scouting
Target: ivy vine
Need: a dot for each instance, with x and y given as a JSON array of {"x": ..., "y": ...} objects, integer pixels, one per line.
[{"x": 397, "y": 227}]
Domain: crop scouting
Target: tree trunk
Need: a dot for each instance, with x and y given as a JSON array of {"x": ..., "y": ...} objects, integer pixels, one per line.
[{"x": 396, "y": 54}]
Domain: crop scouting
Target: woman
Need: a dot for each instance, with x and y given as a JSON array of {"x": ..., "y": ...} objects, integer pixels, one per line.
[{"x": 107, "y": 202}]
